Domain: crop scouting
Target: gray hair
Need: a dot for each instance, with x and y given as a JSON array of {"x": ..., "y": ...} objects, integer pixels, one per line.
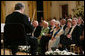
[
  {"x": 75, "y": 19},
  {"x": 57, "y": 22},
  {"x": 19, "y": 6}
]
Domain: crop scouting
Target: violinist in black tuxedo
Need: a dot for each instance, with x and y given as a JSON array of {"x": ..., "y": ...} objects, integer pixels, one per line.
[{"x": 18, "y": 17}]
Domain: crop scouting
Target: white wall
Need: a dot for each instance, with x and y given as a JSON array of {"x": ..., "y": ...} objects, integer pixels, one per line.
[
  {"x": 56, "y": 10},
  {"x": 71, "y": 5},
  {"x": 53, "y": 10}
]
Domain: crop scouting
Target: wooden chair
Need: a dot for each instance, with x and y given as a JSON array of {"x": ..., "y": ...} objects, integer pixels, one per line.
[{"x": 74, "y": 48}]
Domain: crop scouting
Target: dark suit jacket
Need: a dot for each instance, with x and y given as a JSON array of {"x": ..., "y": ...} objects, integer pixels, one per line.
[
  {"x": 17, "y": 17},
  {"x": 49, "y": 29},
  {"x": 82, "y": 28},
  {"x": 63, "y": 38},
  {"x": 76, "y": 35},
  {"x": 37, "y": 31}
]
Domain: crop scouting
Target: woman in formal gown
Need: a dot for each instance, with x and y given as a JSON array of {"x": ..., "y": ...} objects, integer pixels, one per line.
[{"x": 55, "y": 40}]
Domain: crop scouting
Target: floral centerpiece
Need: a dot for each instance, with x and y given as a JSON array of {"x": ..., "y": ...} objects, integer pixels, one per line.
[
  {"x": 24, "y": 48},
  {"x": 58, "y": 52}
]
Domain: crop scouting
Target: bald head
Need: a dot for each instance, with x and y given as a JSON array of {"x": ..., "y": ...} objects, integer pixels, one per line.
[
  {"x": 35, "y": 23},
  {"x": 52, "y": 22}
]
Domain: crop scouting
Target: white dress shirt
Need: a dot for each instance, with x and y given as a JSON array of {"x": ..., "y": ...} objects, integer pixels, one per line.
[
  {"x": 33, "y": 31},
  {"x": 72, "y": 30}
]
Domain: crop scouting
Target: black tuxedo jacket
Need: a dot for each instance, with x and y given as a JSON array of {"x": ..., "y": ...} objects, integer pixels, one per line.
[
  {"x": 82, "y": 28},
  {"x": 76, "y": 35},
  {"x": 38, "y": 31},
  {"x": 49, "y": 29},
  {"x": 17, "y": 17}
]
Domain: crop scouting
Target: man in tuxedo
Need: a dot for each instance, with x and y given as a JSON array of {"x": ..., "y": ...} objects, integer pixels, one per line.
[
  {"x": 63, "y": 23},
  {"x": 18, "y": 17},
  {"x": 81, "y": 24},
  {"x": 37, "y": 29},
  {"x": 75, "y": 32}
]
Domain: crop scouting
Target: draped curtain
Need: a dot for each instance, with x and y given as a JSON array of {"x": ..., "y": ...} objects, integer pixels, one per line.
[{"x": 2, "y": 11}]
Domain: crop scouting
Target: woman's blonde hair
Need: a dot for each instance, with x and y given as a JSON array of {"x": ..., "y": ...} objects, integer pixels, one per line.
[{"x": 69, "y": 20}]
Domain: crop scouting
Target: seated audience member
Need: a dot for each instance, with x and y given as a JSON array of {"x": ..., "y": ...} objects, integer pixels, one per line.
[
  {"x": 75, "y": 32},
  {"x": 63, "y": 23},
  {"x": 82, "y": 42},
  {"x": 55, "y": 40},
  {"x": 18, "y": 17},
  {"x": 36, "y": 30},
  {"x": 64, "y": 40},
  {"x": 44, "y": 35},
  {"x": 80, "y": 24},
  {"x": 48, "y": 36},
  {"x": 52, "y": 26},
  {"x": 45, "y": 29}
]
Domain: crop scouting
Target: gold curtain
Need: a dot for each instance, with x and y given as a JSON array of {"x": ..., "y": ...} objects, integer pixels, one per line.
[
  {"x": 47, "y": 9},
  {"x": 32, "y": 6},
  {"x": 2, "y": 11}
]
